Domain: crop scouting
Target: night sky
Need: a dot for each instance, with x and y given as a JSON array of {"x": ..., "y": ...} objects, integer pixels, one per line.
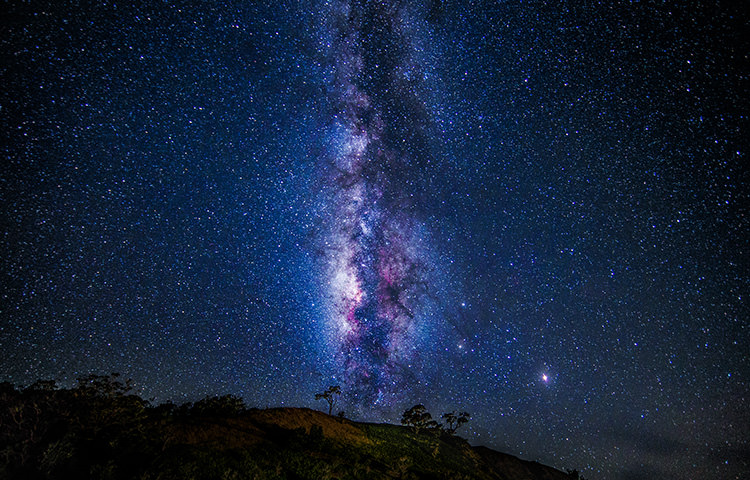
[{"x": 532, "y": 211}]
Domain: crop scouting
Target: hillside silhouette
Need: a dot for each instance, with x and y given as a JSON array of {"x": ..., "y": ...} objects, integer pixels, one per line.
[{"x": 99, "y": 430}]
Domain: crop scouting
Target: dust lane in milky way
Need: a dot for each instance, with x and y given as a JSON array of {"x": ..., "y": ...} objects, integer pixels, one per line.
[{"x": 376, "y": 253}]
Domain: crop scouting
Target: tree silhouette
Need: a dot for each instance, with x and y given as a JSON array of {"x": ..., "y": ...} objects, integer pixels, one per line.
[
  {"x": 455, "y": 420},
  {"x": 226, "y": 405},
  {"x": 419, "y": 418},
  {"x": 103, "y": 386},
  {"x": 329, "y": 396}
]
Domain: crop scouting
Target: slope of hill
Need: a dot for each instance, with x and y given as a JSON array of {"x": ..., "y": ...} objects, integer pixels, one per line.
[
  {"x": 303, "y": 443},
  {"x": 50, "y": 434}
]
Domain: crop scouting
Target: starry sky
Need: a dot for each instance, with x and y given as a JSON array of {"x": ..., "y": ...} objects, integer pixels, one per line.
[{"x": 532, "y": 211}]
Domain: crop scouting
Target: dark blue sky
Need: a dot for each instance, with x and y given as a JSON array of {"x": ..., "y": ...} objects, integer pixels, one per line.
[{"x": 532, "y": 211}]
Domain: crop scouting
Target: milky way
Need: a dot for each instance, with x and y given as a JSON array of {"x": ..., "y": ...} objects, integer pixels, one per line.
[{"x": 375, "y": 255}]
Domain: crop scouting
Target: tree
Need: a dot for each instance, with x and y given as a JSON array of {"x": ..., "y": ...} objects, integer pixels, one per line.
[
  {"x": 226, "y": 405},
  {"x": 419, "y": 418},
  {"x": 329, "y": 396},
  {"x": 455, "y": 420},
  {"x": 42, "y": 386},
  {"x": 103, "y": 386},
  {"x": 105, "y": 402}
]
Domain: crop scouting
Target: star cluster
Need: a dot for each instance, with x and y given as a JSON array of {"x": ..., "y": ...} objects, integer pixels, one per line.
[{"x": 535, "y": 212}]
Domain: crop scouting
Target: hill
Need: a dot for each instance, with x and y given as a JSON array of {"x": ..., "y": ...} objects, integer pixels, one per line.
[{"x": 49, "y": 434}]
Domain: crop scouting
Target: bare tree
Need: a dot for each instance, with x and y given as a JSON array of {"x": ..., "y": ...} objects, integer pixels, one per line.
[
  {"x": 455, "y": 420},
  {"x": 419, "y": 418},
  {"x": 329, "y": 396}
]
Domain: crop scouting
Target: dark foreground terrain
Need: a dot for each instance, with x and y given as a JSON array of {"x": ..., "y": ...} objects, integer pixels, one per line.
[{"x": 98, "y": 431}]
